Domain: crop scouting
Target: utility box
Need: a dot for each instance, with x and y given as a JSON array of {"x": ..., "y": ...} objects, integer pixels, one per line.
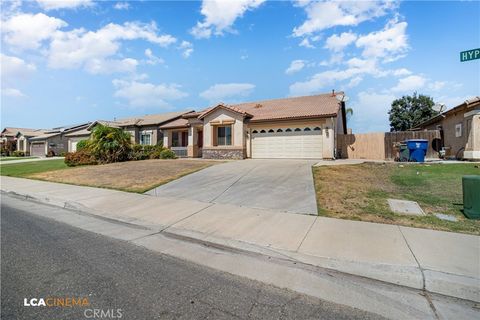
[{"x": 471, "y": 196}]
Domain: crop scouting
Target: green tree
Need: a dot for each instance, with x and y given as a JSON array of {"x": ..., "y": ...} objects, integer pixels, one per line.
[
  {"x": 409, "y": 111},
  {"x": 108, "y": 144}
]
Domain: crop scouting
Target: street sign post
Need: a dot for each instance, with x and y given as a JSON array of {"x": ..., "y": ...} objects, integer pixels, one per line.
[{"x": 470, "y": 55}]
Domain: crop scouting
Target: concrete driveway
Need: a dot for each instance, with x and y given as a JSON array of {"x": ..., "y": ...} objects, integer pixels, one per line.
[{"x": 282, "y": 185}]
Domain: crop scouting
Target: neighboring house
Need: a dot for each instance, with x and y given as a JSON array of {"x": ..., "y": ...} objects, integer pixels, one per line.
[
  {"x": 297, "y": 127},
  {"x": 19, "y": 136},
  {"x": 459, "y": 130},
  {"x": 84, "y": 134},
  {"x": 54, "y": 141}
]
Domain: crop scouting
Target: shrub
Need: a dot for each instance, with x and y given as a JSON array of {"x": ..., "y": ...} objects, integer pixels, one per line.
[
  {"x": 79, "y": 158},
  {"x": 142, "y": 152},
  {"x": 18, "y": 154},
  {"x": 167, "y": 154},
  {"x": 50, "y": 153},
  {"x": 82, "y": 144},
  {"x": 109, "y": 144}
]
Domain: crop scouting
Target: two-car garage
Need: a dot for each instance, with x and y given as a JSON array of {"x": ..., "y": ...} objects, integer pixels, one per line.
[{"x": 292, "y": 142}]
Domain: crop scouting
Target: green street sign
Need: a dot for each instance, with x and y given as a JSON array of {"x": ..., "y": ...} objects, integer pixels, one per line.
[{"x": 470, "y": 55}]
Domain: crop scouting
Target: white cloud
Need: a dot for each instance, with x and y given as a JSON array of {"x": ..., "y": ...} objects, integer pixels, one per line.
[
  {"x": 122, "y": 6},
  {"x": 152, "y": 59},
  {"x": 220, "y": 16},
  {"x": 323, "y": 15},
  {"x": 219, "y": 92},
  {"x": 63, "y": 4},
  {"x": 187, "y": 48},
  {"x": 388, "y": 44},
  {"x": 90, "y": 49},
  {"x": 12, "y": 92},
  {"x": 371, "y": 112},
  {"x": 410, "y": 83},
  {"x": 13, "y": 67},
  {"x": 27, "y": 31},
  {"x": 306, "y": 43},
  {"x": 401, "y": 72},
  {"x": 144, "y": 95},
  {"x": 295, "y": 66},
  {"x": 337, "y": 43},
  {"x": 437, "y": 85}
]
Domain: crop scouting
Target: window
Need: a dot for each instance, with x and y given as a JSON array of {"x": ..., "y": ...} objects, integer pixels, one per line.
[
  {"x": 307, "y": 129},
  {"x": 145, "y": 138},
  {"x": 255, "y": 131},
  {"x": 288, "y": 130},
  {"x": 298, "y": 129},
  {"x": 458, "y": 130},
  {"x": 270, "y": 131},
  {"x": 224, "y": 135},
  {"x": 263, "y": 131},
  {"x": 317, "y": 129},
  {"x": 279, "y": 130},
  {"x": 175, "y": 139}
]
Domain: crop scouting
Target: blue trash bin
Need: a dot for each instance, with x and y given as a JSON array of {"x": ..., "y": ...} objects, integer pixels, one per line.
[{"x": 418, "y": 149}]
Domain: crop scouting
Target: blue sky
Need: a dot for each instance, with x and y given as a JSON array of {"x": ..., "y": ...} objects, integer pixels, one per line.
[{"x": 66, "y": 62}]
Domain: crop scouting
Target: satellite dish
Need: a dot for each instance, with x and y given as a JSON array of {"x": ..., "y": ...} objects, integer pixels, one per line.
[
  {"x": 342, "y": 97},
  {"x": 439, "y": 107}
]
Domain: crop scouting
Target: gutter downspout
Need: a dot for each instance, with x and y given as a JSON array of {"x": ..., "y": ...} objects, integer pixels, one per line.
[{"x": 334, "y": 138}]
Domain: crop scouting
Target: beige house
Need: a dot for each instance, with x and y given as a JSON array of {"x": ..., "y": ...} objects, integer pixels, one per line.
[
  {"x": 297, "y": 127},
  {"x": 20, "y": 137},
  {"x": 54, "y": 141},
  {"x": 459, "y": 130}
]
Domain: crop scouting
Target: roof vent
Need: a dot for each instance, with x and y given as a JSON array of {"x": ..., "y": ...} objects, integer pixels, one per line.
[{"x": 258, "y": 106}]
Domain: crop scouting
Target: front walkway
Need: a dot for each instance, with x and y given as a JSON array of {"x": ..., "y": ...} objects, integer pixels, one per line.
[
  {"x": 441, "y": 262},
  {"x": 280, "y": 184}
]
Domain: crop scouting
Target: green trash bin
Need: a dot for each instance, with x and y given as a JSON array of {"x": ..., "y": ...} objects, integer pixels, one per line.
[{"x": 471, "y": 196}]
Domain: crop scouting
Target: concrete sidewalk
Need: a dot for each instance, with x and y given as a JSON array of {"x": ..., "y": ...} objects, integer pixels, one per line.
[{"x": 439, "y": 262}]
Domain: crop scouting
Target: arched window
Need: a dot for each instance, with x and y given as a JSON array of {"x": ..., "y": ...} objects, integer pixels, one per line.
[
  {"x": 279, "y": 130},
  {"x": 254, "y": 131},
  {"x": 298, "y": 129},
  {"x": 307, "y": 129},
  {"x": 288, "y": 130},
  {"x": 263, "y": 131},
  {"x": 317, "y": 129},
  {"x": 270, "y": 131}
]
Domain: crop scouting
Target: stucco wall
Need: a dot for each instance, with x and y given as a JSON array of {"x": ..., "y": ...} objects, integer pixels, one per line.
[
  {"x": 224, "y": 115},
  {"x": 456, "y": 144},
  {"x": 75, "y": 139}
]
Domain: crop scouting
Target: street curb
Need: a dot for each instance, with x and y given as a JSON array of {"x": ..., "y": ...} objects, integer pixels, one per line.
[{"x": 449, "y": 285}]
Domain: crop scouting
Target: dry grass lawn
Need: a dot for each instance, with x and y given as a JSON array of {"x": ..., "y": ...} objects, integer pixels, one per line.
[
  {"x": 360, "y": 192},
  {"x": 132, "y": 176}
]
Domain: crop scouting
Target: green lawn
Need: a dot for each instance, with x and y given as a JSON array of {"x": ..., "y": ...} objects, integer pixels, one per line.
[
  {"x": 360, "y": 192},
  {"x": 15, "y": 158},
  {"x": 28, "y": 168}
]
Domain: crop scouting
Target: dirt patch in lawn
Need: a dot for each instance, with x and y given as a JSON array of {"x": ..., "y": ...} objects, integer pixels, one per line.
[
  {"x": 133, "y": 176},
  {"x": 360, "y": 192}
]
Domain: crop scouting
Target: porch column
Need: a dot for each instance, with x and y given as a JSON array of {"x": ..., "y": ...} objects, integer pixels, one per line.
[
  {"x": 192, "y": 147},
  {"x": 167, "y": 138}
]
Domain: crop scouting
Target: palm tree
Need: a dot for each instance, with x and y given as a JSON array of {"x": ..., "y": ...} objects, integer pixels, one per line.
[
  {"x": 109, "y": 144},
  {"x": 349, "y": 113}
]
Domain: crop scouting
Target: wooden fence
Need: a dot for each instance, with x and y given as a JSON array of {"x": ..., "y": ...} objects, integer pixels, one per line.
[{"x": 380, "y": 145}]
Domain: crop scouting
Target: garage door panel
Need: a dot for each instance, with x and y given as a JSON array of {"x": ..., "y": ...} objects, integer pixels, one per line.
[
  {"x": 38, "y": 149},
  {"x": 294, "y": 144}
]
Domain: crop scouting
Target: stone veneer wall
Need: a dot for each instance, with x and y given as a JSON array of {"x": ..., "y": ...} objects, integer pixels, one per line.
[{"x": 223, "y": 153}]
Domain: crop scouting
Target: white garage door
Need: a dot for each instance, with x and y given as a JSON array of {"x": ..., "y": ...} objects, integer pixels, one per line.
[
  {"x": 73, "y": 146},
  {"x": 38, "y": 149},
  {"x": 305, "y": 142}
]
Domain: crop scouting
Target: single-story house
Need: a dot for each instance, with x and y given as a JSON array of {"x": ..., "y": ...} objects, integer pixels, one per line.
[
  {"x": 144, "y": 130},
  {"x": 54, "y": 141},
  {"x": 19, "y": 137},
  {"x": 295, "y": 127},
  {"x": 459, "y": 130}
]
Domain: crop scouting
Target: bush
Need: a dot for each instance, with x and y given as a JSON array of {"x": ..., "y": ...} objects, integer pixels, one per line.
[
  {"x": 50, "y": 153},
  {"x": 79, "y": 158},
  {"x": 109, "y": 144},
  {"x": 141, "y": 152},
  {"x": 167, "y": 154},
  {"x": 82, "y": 144},
  {"x": 18, "y": 154}
]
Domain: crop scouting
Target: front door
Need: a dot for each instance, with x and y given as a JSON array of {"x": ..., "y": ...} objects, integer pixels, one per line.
[
  {"x": 184, "y": 138},
  {"x": 200, "y": 139}
]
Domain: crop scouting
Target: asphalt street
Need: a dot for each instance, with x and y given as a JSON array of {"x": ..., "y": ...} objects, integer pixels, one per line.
[{"x": 42, "y": 258}]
